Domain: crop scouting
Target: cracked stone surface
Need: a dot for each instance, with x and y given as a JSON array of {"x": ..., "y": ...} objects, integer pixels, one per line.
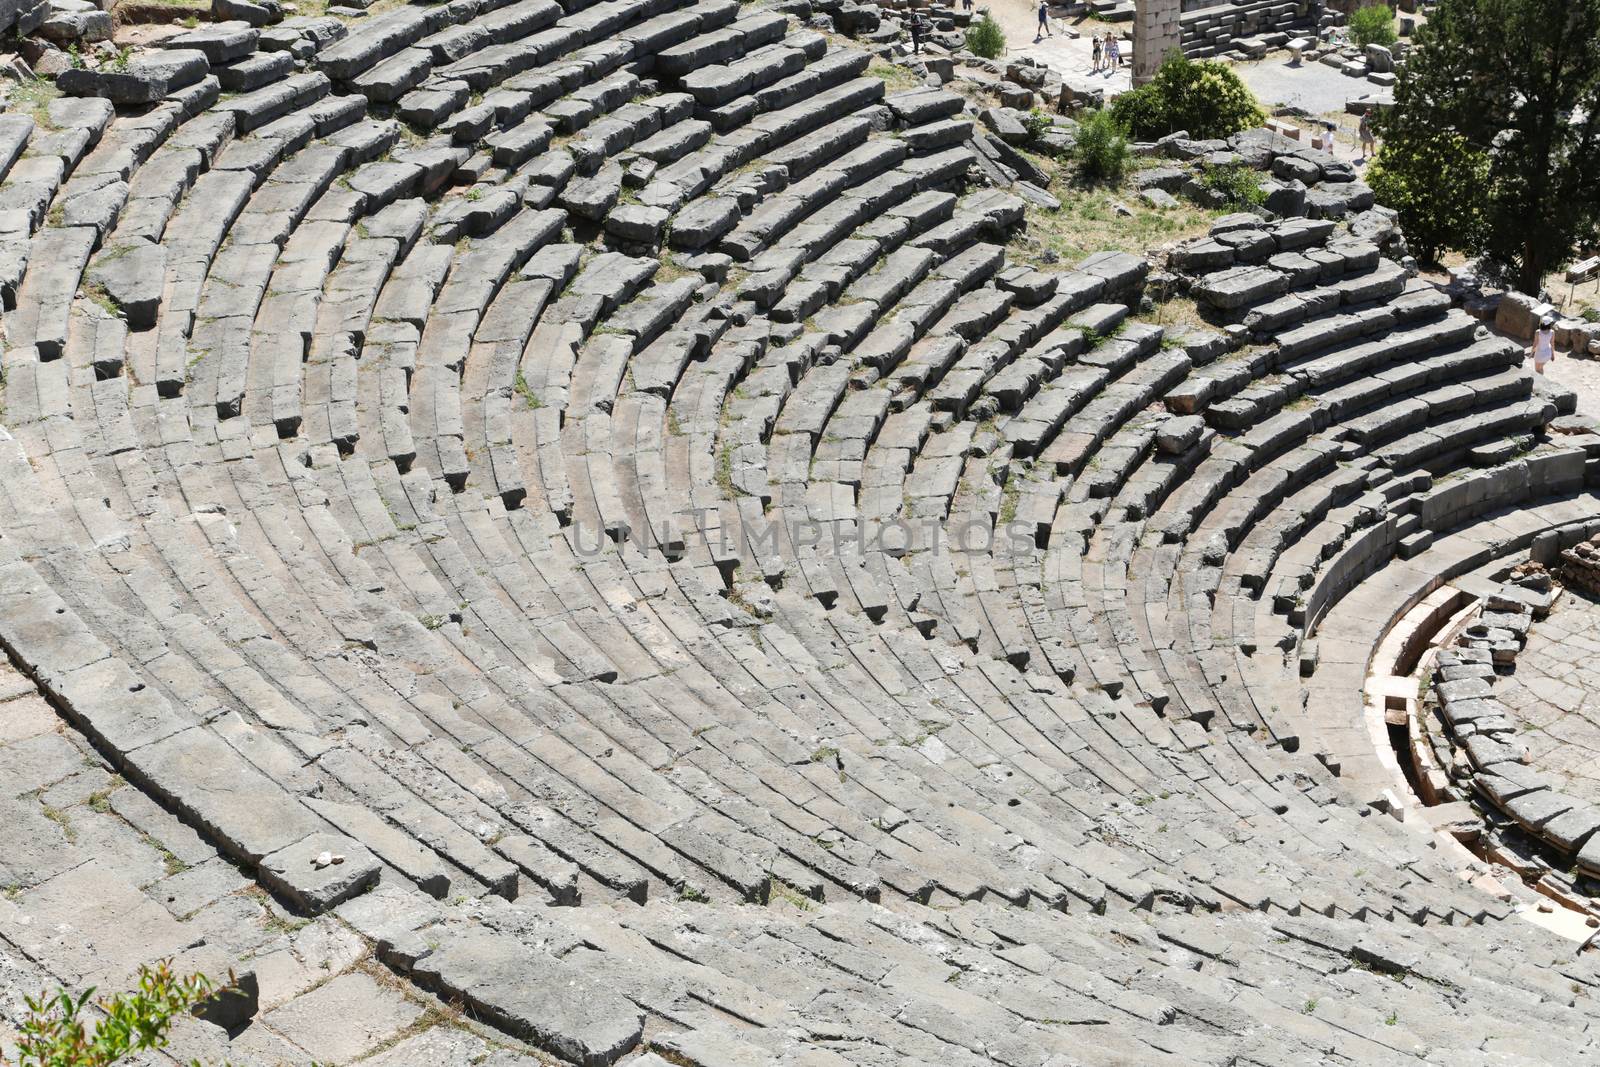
[{"x": 1555, "y": 695}]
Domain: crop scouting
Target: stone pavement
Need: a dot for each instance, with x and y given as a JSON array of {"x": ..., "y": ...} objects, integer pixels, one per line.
[
  {"x": 1070, "y": 56},
  {"x": 1315, "y": 88},
  {"x": 1555, "y": 693},
  {"x": 1582, "y": 376}
]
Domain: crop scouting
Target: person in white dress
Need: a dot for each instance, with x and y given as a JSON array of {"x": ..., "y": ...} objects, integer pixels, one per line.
[{"x": 1544, "y": 345}]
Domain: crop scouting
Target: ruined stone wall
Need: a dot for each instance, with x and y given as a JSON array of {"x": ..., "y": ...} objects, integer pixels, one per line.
[
  {"x": 1155, "y": 33},
  {"x": 1250, "y": 26}
]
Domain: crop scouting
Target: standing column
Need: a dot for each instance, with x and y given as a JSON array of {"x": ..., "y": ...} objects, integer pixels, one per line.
[{"x": 1155, "y": 33}]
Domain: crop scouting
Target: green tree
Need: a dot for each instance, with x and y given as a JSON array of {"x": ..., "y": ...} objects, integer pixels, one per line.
[
  {"x": 1438, "y": 184},
  {"x": 985, "y": 38},
  {"x": 55, "y": 1034},
  {"x": 1102, "y": 148},
  {"x": 1373, "y": 24},
  {"x": 1519, "y": 82},
  {"x": 1206, "y": 98}
]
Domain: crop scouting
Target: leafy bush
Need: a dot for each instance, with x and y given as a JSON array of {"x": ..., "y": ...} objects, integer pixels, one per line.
[
  {"x": 1239, "y": 183},
  {"x": 1102, "y": 149},
  {"x": 1206, "y": 98},
  {"x": 1438, "y": 182},
  {"x": 1373, "y": 24},
  {"x": 1142, "y": 111},
  {"x": 54, "y": 1033},
  {"x": 1037, "y": 123},
  {"x": 985, "y": 38}
]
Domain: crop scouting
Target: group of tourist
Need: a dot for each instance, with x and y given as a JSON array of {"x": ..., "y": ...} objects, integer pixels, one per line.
[
  {"x": 1107, "y": 47},
  {"x": 1322, "y": 138},
  {"x": 1107, "y": 53}
]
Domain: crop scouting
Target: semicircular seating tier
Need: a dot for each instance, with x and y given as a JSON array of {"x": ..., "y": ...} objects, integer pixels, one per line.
[{"x": 605, "y": 472}]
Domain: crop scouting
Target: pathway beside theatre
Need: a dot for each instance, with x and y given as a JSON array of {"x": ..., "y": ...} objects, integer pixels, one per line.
[{"x": 1070, "y": 56}]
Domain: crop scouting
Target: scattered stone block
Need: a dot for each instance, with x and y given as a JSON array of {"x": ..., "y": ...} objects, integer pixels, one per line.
[
  {"x": 148, "y": 78},
  {"x": 320, "y": 871}
]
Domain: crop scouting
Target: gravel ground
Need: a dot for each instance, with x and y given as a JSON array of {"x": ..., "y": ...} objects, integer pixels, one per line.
[
  {"x": 1277, "y": 81},
  {"x": 1582, "y": 376}
]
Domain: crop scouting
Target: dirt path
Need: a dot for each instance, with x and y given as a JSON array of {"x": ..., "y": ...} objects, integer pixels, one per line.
[{"x": 1582, "y": 376}]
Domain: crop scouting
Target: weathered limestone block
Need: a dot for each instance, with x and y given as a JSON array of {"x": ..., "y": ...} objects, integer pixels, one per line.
[
  {"x": 533, "y": 995},
  {"x": 1239, "y": 287},
  {"x": 220, "y": 43},
  {"x": 147, "y": 79},
  {"x": 133, "y": 275},
  {"x": 320, "y": 871},
  {"x": 1519, "y": 314}
]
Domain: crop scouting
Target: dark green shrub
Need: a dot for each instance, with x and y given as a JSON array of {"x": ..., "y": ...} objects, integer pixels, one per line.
[
  {"x": 1439, "y": 184},
  {"x": 1142, "y": 111},
  {"x": 1519, "y": 82},
  {"x": 1206, "y": 98},
  {"x": 985, "y": 38},
  {"x": 1102, "y": 150},
  {"x": 1373, "y": 24}
]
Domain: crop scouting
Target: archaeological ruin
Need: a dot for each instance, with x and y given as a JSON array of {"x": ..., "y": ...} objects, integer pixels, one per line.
[{"x": 558, "y": 532}]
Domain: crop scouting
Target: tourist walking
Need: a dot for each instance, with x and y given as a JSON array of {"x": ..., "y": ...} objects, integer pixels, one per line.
[
  {"x": 1113, "y": 53},
  {"x": 1097, "y": 54},
  {"x": 1369, "y": 146},
  {"x": 917, "y": 30},
  {"x": 1044, "y": 21},
  {"x": 1544, "y": 344}
]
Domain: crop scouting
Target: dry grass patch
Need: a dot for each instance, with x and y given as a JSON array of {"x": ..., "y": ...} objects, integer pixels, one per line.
[
  {"x": 142, "y": 22},
  {"x": 1088, "y": 221},
  {"x": 1176, "y": 313},
  {"x": 895, "y": 78},
  {"x": 32, "y": 97}
]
